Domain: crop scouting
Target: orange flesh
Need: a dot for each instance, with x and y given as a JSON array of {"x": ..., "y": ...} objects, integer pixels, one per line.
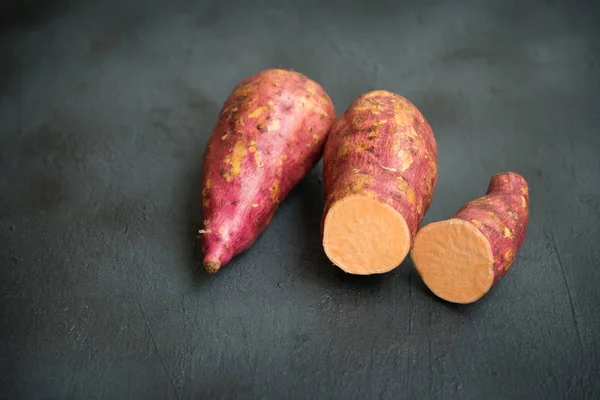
[
  {"x": 455, "y": 260},
  {"x": 364, "y": 236}
]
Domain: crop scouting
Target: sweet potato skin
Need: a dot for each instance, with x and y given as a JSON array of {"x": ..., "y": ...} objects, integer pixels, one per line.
[
  {"x": 269, "y": 134},
  {"x": 382, "y": 147},
  {"x": 502, "y": 215}
]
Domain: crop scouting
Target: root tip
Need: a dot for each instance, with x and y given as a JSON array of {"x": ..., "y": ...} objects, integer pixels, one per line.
[{"x": 212, "y": 266}]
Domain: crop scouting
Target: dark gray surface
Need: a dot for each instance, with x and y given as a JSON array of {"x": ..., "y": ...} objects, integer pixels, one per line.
[{"x": 105, "y": 111}]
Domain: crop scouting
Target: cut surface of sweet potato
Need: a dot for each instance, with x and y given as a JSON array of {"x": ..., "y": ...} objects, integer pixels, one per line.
[
  {"x": 455, "y": 260},
  {"x": 364, "y": 236}
]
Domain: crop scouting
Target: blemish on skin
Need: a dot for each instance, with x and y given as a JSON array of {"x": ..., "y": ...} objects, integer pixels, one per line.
[
  {"x": 507, "y": 233},
  {"x": 315, "y": 138},
  {"x": 254, "y": 205},
  {"x": 406, "y": 190},
  {"x": 321, "y": 111},
  {"x": 235, "y": 161},
  {"x": 411, "y": 132},
  {"x": 275, "y": 190},
  {"x": 388, "y": 168},
  {"x": 343, "y": 149},
  {"x": 243, "y": 91},
  {"x": 253, "y": 148},
  {"x": 420, "y": 207},
  {"x": 274, "y": 125},
  {"x": 258, "y": 112},
  {"x": 406, "y": 159},
  {"x": 360, "y": 182},
  {"x": 400, "y": 120},
  {"x": 523, "y": 202},
  {"x": 513, "y": 215},
  {"x": 509, "y": 256},
  {"x": 478, "y": 224},
  {"x": 524, "y": 191}
]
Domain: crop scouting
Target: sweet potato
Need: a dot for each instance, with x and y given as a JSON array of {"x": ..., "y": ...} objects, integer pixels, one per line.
[
  {"x": 270, "y": 133},
  {"x": 461, "y": 258},
  {"x": 380, "y": 172}
]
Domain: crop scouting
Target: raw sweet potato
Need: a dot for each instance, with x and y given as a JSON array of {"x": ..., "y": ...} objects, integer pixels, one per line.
[
  {"x": 380, "y": 172},
  {"x": 461, "y": 258},
  {"x": 270, "y": 133}
]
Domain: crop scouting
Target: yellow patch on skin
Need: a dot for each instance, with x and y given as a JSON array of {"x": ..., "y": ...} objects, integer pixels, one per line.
[
  {"x": 360, "y": 181},
  {"x": 224, "y": 136},
  {"x": 400, "y": 120},
  {"x": 275, "y": 190},
  {"x": 282, "y": 159},
  {"x": 420, "y": 207},
  {"x": 343, "y": 149},
  {"x": 406, "y": 160},
  {"x": 523, "y": 202},
  {"x": 507, "y": 233},
  {"x": 406, "y": 190},
  {"x": 253, "y": 148},
  {"x": 254, "y": 205},
  {"x": 509, "y": 256},
  {"x": 240, "y": 122},
  {"x": 411, "y": 132},
  {"x": 496, "y": 221},
  {"x": 374, "y": 106},
  {"x": 321, "y": 111},
  {"x": 258, "y": 112},
  {"x": 243, "y": 91},
  {"x": 477, "y": 223},
  {"x": 235, "y": 160},
  {"x": 274, "y": 125},
  {"x": 513, "y": 215},
  {"x": 208, "y": 183},
  {"x": 315, "y": 138},
  {"x": 222, "y": 231}
]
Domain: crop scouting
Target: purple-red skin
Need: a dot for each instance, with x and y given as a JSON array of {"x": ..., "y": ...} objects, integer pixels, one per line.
[
  {"x": 384, "y": 148},
  {"x": 502, "y": 215},
  {"x": 270, "y": 133}
]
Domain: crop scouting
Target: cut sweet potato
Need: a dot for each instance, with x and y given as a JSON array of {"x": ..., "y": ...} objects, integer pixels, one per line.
[
  {"x": 380, "y": 172},
  {"x": 461, "y": 258}
]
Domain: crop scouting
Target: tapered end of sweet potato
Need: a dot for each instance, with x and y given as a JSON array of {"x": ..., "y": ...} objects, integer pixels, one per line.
[
  {"x": 454, "y": 260},
  {"x": 211, "y": 266},
  {"x": 364, "y": 236}
]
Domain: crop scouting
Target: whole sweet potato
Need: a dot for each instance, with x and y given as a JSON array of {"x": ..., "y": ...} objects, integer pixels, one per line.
[
  {"x": 380, "y": 172},
  {"x": 270, "y": 133}
]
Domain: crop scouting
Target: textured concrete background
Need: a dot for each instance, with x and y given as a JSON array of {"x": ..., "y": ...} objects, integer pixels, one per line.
[{"x": 105, "y": 110}]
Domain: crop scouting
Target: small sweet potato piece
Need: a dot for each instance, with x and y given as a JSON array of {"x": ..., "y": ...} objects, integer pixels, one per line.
[
  {"x": 461, "y": 258},
  {"x": 270, "y": 133},
  {"x": 380, "y": 172}
]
